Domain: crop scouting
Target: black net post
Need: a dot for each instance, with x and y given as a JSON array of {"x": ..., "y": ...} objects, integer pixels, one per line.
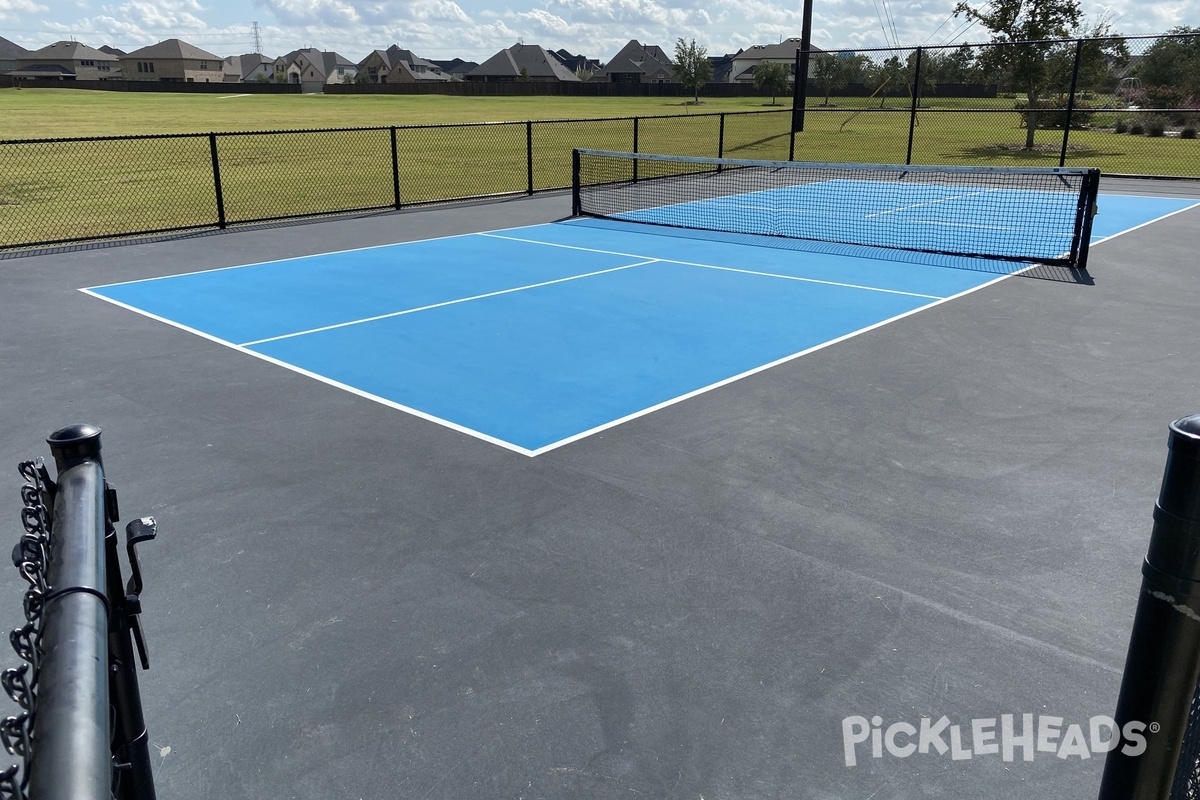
[
  {"x": 395, "y": 169},
  {"x": 529, "y": 157},
  {"x": 72, "y": 756},
  {"x": 1062, "y": 156},
  {"x": 216, "y": 170},
  {"x": 576, "y": 206},
  {"x": 1163, "y": 663}
]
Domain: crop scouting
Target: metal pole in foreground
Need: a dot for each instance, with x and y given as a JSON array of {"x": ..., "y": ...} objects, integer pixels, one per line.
[
  {"x": 71, "y": 755},
  {"x": 1163, "y": 664}
]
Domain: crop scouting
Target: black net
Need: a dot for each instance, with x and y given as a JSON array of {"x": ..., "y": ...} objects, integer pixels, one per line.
[{"x": 1036, "y": 215}]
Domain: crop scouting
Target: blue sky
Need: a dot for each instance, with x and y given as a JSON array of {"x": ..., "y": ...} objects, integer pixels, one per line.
[{"x": 475, "y": 29}]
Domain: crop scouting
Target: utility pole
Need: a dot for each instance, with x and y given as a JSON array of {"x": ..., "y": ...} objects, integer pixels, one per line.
[{"x": 257, "y": 38}]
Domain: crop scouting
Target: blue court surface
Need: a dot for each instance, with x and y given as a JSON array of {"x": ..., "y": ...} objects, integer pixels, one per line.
[{"x": 534, "y": 337}]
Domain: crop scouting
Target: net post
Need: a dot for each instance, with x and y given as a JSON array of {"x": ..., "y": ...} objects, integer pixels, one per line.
[
  {"x": 529, "y": 156},
  {"x": 395, "y": 171},
  {"x": 1085, "y": 213},
  {"x": 916, "y": 98},
  {"x": 216, "y": 170},
  {"x": 1062, "y": 156},
  {"x": 1163, "y": 661},
  {"x": 721, "y": 138},
  {"x": 575, "y": 204},
  {"x": 635, "y": 148}
]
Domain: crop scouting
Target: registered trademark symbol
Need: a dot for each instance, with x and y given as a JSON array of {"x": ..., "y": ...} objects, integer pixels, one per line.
[{"x": 1155, "y": 727}]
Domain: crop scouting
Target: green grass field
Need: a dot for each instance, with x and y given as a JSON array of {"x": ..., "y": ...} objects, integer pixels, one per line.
[{"x": 67, "y": 190}]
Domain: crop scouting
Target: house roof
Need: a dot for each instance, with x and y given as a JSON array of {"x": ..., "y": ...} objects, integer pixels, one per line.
[
  {"x": 324, "y": 62},
  {"x": 245, "y": 64},
  {"x": 174, "y": 48},
  {"x": 637, "y": 58},
  {"x": 785, "y": 50},
  {"x": 69, "y": 51},
  {"x": 42, "y": 71},
  {"x": 536, "y": 61},
  {"x": 112, "y": 51},
  {"x": 456, "y": 64},
  {"x": 11, "y": 49}
]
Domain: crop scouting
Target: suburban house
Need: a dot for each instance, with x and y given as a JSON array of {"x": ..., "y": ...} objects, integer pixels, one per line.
[
  {"x": 249, "y": 68},
  {"x": 9, "y": 53},
  {"x": 175, "y": 61},
  {"x": 397, "y": 65},
  {"x": 637, "y": 63},
  {"x": 742, "y": 70},
  {"x": 456, "y": 67},
  {"x": 522, "y": 62},
  {"x": 721, "y": 67},
  {"x": 68, "y": 61},
  {"x": 312, "y": 69},
  {"x": 580, "y": 64}
]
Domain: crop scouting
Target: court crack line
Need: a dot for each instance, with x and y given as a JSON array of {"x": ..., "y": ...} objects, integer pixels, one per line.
[{"x": 445, "y": 303}]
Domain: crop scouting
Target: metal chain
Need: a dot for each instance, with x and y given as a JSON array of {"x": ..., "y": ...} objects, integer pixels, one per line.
[{"x": 30, "y": 557}]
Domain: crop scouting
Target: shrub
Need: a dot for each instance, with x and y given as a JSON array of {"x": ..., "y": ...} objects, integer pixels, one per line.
[
  {"x": 1052, "y": 114},
  {"x": 1156, "y": 127},
  {"x": 1121, "y": 126},
  {"x": 1137, "y": 129},
  {"x": 1187, "y": 133}
]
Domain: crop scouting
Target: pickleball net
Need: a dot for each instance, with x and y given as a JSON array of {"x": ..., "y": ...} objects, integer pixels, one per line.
[{"x": 1035, "y": 214}]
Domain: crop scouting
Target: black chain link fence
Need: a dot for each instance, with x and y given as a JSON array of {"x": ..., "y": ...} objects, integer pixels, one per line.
[{"x": 1126, "y": 105}]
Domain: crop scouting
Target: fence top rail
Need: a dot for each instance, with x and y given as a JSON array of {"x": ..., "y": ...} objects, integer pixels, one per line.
[
  {"x": 1139, "y": 37},
  {"x": 146, "y": 136}
]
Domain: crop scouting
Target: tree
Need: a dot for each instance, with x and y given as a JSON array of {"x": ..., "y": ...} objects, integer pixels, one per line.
[
  {"x": 1173, "y": 62},
  {"x": 828, "y": 72},
  {"x": 1023, "y": 27},
  {"x": 523, "y": 75},
  {"x": 692, "y": 67},
  {"x": 772, "y": 75},
  {"x": 887, "y": 76}
]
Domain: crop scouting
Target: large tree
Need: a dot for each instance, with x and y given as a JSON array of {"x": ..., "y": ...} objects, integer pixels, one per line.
[
  {"x": 772, "y": 75},
  {"x": 1173, "y": 62},
  {"x": 1023, "y": 28},
  {"x": 828, "y": 72},
  {"x": 692, "y": 67}
]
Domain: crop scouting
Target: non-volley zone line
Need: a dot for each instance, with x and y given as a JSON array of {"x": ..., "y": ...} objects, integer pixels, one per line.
[{"x": 758, "y": 273}]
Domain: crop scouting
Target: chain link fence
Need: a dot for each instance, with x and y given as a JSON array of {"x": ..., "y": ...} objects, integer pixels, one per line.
[{"x": 1126, "y": 105}]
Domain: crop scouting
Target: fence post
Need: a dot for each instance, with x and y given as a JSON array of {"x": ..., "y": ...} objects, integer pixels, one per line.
[
  {"x": 1163, "y": 663},
  {"x": 216, "y": 168},
  {"x": 529, "y": 156},
  {"x": 1062, "y": 156},
  {"x": 916, "y": 100},
  {"x": 395, "y": 169},
  {"x": 72, "y": 756},
  {"x": 721, "y": 138}
]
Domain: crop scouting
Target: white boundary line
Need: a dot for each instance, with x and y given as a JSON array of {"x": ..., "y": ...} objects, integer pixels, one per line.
[
  {"x": 591, "y": 431},
  {"x": 321, "y": 378}
]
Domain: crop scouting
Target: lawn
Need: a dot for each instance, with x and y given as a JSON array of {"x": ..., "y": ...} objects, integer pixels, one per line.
[{"x": 60, "y": 190}]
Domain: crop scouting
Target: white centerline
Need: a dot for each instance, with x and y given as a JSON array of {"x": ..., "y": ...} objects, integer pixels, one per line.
[
  {"x": 929, "y": 203},
  {"x": 443, "y": 304},
  {"x": 723, "y": 269}
]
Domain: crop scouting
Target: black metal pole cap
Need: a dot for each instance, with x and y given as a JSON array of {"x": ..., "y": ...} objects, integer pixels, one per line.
[
  {"x": 74, "y": 443},
  {"x": 1180, "y": 492}
]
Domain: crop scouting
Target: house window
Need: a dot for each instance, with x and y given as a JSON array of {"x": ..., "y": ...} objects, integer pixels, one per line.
[
  {"x": 203, "y": 65},
  {"x": 145, "y": 66},
  {"x": 86, "y": 63},
  {"x": 341, "y": 70}
]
